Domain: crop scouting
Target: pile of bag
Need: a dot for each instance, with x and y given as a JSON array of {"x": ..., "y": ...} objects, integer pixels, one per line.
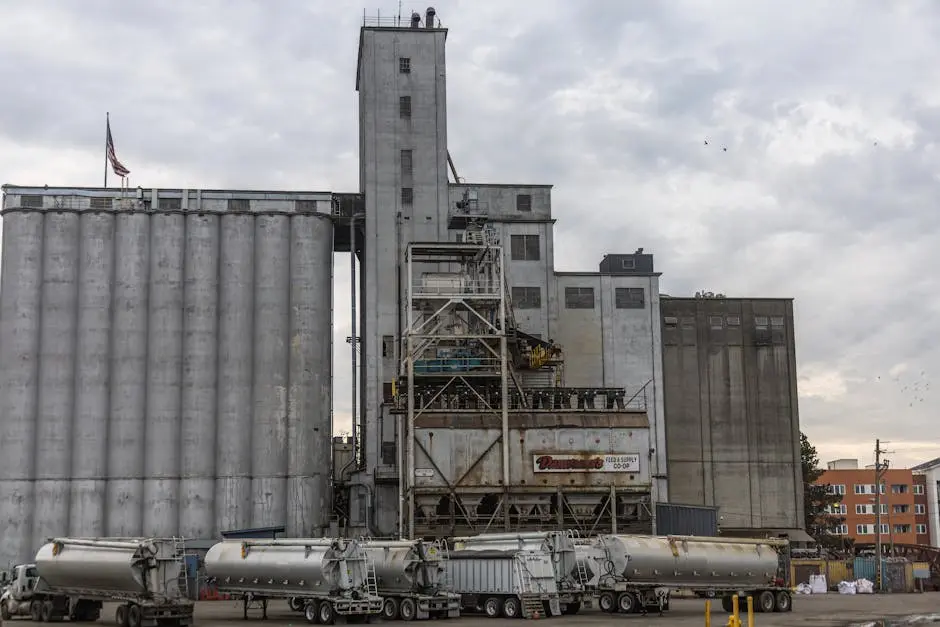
[{"x": 859, "y": 586}]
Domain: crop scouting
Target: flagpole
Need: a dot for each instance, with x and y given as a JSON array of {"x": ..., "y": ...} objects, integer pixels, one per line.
[{"x": 107, "y": 127}]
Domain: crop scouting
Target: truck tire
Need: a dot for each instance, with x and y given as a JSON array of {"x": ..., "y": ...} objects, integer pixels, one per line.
[
  {"x": 325, "y": 614},
  {"x": 45, "y": 614},
  {"x": 390, "y": 608},
  {"x": 572, "y": 608},
  {"x": 607, "y": 602},
  {"x": 310, "y": 612},
  {"x": 134, "y": 617},
  {"x": 35, "y": 611},
  {"x": 511, "y": 607},
  {"x": 407, "y": 609},
  {"x": 296, "y": 604},
  {"x": 765, "y": 601},
  {"x": 491, "y": 607},
  {"x": 4, "y": 611},
  {"x": 627, "y": 603},
  {"x": 784, "y": 602},
  {"x": 727, "y": 604}
]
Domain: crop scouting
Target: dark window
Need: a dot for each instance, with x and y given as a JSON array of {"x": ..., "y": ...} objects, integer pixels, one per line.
[
  {"x": 389, "y": 455},
  {"x": 629, "y": 298},
  {"x": 526, "y": 297},
  {"x": 404, "y": 65},
  {"x": 407, "y": 165},
  {"x": 388, "y": 346},
  {"x": 310, "y": 206},
  {"x": 239, "y": 204},
  {"x": 671, "y": 321},
  {"x": 734, "y": 321},
  {"x": 523, "y": 202},
  {"x": 760, "y": 321},
  {"x": 524, "y": 247},
  {"x": 404, "y": 107},
  {"x": 579, "y": 298},
  {"x": 99, "y": 202},
  {"x": 776, "y": 321},
  {"x": 407, "y": 195},
  {"x": 628, "y": 263},
  {"x": 716, "y": 322},
  {"x": 171, "y": 204},
  {"x": 31, "y": 201}
]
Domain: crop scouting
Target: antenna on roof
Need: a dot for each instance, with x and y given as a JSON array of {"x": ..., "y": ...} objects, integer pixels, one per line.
[{"x": 398, "y": 23}]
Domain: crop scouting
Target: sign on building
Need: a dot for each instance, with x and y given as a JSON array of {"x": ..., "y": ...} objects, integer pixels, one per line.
[{"x": 545, "y": 462}]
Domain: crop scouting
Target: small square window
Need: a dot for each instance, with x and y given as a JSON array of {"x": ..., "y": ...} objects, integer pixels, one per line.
[
  {"x": 670, "y": 321},
  {"x": 579, "y": 298},
  {"x": 239, "y": 204},
  {"x": 628, "y": 263},
  {"x": 776, "y": 321},
  {"x": 171, "y": 204},
  {"x": 716, "y": 322},
  {"x": 629, "y": 298},
  {"x": 524, "y": 202},
  {"x": 31, "y": 201},
  {"x": 100, "y": 202},
  {"x": 526, "y": 297},
  {"x": 524, "y": 247},
  {"x": 404, "y": 107},
  {"x": 407, "y": 195},
  {"x": 404, "y": 65},
  {"x": 761, "y": 321},
  {"x": 734, "y": 321}
]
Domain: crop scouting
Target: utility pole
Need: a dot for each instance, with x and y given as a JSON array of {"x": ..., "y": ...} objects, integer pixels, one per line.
[{"x": 880, "y": 469}]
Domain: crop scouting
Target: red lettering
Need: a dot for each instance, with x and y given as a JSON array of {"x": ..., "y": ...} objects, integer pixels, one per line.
[{"x": 547, "y": 462}]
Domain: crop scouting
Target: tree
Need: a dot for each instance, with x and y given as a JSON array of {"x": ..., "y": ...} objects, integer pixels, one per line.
[{"x": 817, "y": 497}]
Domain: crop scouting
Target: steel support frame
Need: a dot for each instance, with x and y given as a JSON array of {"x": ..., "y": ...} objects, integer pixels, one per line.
[{"x": 480, "y": 298}]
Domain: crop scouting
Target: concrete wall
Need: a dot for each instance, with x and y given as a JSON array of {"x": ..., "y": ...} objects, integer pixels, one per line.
[
  {"x": 731, "y": 415},
  {"x": 615, "y": 347},
  {"x": 391, "y": 222}
]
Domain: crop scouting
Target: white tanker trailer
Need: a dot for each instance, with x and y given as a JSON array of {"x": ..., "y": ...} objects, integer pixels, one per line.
[
  {"x": 411, "y": 579},
  {"x": 72, "y": 577},
  {"x": 322, "y": 577},
  {"x": 633, "y": 572}
]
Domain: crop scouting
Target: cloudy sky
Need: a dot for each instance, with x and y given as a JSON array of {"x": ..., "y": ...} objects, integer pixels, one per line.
[{"x": 827, "y": 192}]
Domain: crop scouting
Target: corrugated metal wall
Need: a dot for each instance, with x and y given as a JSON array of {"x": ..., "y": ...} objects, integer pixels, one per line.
[
  {"x": 686, "y": 520},
  {"x": 163, "y": 372}
]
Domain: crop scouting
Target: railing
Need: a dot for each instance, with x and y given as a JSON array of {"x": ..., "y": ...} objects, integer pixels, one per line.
[
  {"x": 456, "y": 288},
  {"x": 457, "y": 365},
  {"x": 395, "y": 21}
]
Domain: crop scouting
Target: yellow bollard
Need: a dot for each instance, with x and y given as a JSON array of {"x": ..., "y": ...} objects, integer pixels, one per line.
[
  {"x": 708, "y": 613},
  {"x": 735, "y": 619},
  {"x": 750, "y": 611}
]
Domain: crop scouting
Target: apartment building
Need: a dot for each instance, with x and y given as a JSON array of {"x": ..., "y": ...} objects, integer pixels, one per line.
[
  {"x": 929, "y": 474},
  {"x": 903, "y": 503}
]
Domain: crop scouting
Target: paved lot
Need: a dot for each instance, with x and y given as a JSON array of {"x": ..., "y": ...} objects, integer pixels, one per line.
[{"x": 829, "y": 610}]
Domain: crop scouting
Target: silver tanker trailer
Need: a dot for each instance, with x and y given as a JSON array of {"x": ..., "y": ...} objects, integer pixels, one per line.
[
  {"x": 323, "y": 577},
  {"x": 634, "y": 572},
  {"x": 411, "y": 579},
  {"x": 72, "y": 577},
  {"x": 570, "y": 576}
]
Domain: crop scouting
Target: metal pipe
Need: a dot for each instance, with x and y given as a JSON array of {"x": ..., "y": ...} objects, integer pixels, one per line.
[
  {"x": 410, "y": 439},
  {"x": 354, "y": 339},
  {"x": 504, "y": 391},
  {"x": 401, "y": 471}
]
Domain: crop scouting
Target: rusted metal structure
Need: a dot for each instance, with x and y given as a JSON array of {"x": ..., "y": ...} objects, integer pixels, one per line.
[{"x": 484, "y": 451}]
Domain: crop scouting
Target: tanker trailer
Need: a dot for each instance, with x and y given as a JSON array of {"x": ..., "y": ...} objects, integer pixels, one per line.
[
  {"x": 507, "y": 582},
  {"x": 324, "y": 577},
  {"x": 72, "y": 577},
  {"x": 637, "y": 571},
  {"x": 570, "y": 578},
  {"x": 411, "y": 579}
]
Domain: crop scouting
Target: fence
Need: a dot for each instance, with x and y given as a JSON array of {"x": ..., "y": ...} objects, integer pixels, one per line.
[{"x": 898, "y": 573}]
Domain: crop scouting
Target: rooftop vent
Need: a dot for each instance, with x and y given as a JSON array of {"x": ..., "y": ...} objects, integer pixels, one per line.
[
  {"x": 415, "y": 19},
  {"x": 429, "y": 17}
]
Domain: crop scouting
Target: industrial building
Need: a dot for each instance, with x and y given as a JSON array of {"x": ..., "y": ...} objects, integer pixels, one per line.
[
  {"x": 732, "y": 412},
  {"x": 165, "y": 356}
]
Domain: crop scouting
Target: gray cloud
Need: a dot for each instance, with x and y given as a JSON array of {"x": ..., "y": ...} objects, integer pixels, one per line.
[{"x": 611, "y": 102}]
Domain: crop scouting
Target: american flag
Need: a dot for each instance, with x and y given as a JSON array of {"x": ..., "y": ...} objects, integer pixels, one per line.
[{"x": 116, "y": 165}]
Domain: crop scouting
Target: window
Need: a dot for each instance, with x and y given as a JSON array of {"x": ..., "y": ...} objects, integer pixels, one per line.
[
  {"x": 523, "y": 202},
  {"x": 899, "y": 488},
  {"x": 524, "y": 247},
  {"x": 407, "y": 195},
  {"x": 579, "y": 298},
  {"x": 716, "y": 322},
  {"x": 31, "y": 201},
  {"x": 864, "y": 530},
  {"x": 628, "y": 263},
  {"x": 776, "y": 321},
  {"x": 918, "y": 488},
  {"x": 867, "y": 488},
  {"x": 404, "y": 65},
  {"x": 671, "y": 321},
  {"x": 837, "y": 509},
  {"x": 404, "y": 107},
  {"x": 407, "y": 166},
  {"x": 901, "y": 509},
  {"x": 629, "y": 298},
  {"x": 919, "y": 509},
  {"x": 902, "y": 528},
  {"x": 884, "y": 508},
  {"x": 835, "y": 489},
  {"x": 864, "y": 509},
  {"x": 98, "y": 202},
  {"x": 735, "y": 321},
  {"x": 239, "y": 204},
  {"x": 171, "y": 204},
  {"x": 921, "y": 529},
  {"x": 761, "y": 321},
  {"x": 526, "y": 297},
  {"x": 388, "y": 346},
  {"x": 840, "y": 530}
]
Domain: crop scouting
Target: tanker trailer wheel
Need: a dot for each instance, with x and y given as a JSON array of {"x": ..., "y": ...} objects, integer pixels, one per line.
[
  {"x": 390, "y": 608},
  {"x": 511, "y": 607},
  {"x": 134, "y": 616},
  {"x": 4, "y": 611},
  {"x": 491, "y": 607},
  {"x": 407, "y": 609},
  {"x": 784, "y": 602},
  {"x": 326, "y": 615},
  {"x": 296, "y": 604},
  {"x": 572, "y": 608},
  {"x": 765, "y": 601},
  {"x": 46, "y": 612},
  {"x": 627, "y": 603},
  {"x": 310, "y": 612},
  {"x": 607, "y": 602},
  {"x": 35, "y": 611},
  {"x": 120, "y": 616},
  {"x": 727, "y": 604}
]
